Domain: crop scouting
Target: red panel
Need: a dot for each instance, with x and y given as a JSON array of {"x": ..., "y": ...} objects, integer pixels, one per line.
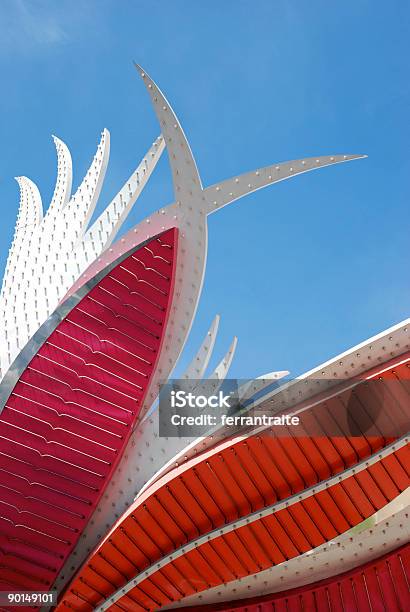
[{"x": 67, "y": 421}]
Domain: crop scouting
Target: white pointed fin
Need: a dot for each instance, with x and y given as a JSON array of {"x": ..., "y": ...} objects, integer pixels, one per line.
[
  {"x": 251, "y": 388},
  {"x": 185, "y": 173},
  {"x": 31, "y": 209},
  {"x": 80, "y": 208},
  {"x": 28, "y": 219},
  {"x": 62, "y": 190},
  {"x": 105, "y": 228},
  {"x": 228, "y": 191},
  {"x": 216, "y": 379},
  {"x": 198, "y": 365},
  {"x": 223, "y": 366},
  {"x": 221, "y": 371}
]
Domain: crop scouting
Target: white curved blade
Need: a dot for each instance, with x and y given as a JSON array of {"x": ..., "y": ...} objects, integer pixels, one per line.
[
  {"x": 105, "y": 228},
  {"x": 228, "y": 191},
  {"x": 223, "y": 366},
  {"x": 185, "y": 173},
  {"x": 78, "y": 211},
  {"x": 62, "y": 190},
  {"x": 31, "y": 208},
  {"x": 198, "y": 365},
  {"x": 28, "y": 219},
  {"x": 221, "y": 371}
]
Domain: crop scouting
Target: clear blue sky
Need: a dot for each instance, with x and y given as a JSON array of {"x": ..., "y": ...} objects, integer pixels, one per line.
[{"x": 300, "y": 271}]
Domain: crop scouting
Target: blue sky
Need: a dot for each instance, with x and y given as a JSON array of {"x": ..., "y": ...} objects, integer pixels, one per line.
[{"x": 300, "y": 271}]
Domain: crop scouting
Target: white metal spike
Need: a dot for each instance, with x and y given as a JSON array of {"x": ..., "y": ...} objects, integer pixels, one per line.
[
  {"x": 105, "y": 228},
  {"x": 222, "y": 369},
  {"x": 198, "y": 365},
  {"x": 80, "y": 208},
  {"x": 228, "y": 191},
  {"x": 62, "y": 190},
  {"x": 31, "y": 208},
  {"x": 185, "y": 173}
]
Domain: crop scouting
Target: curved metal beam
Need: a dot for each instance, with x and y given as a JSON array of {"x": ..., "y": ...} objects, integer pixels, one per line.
[
  {"x": 198, "y": 365},
  {"x": 62, "y": 190},
  {"x": 226, "y": 192},
  {"x": 185, "y": 175}
]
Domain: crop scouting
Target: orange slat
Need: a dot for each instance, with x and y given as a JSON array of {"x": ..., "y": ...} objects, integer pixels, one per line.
[
  {"x": 139, "y": 598},
  {"x": 125, "y": 552},
  {"x": 162, "y": 581},
  {"x": 217, "y": 562},
  {"x": 137, "y": 544},
  {"x": 238, "y": 543},
  {"x": 262, "y": 448},
  {"x": 186, "y": 568},
  {"x": 359, "y": 499},
  {"x": 280, "y": 536},
  {"x": 370, "y": 489},
  {"x": 255, "y": 471},
  {"x": 107, "y": 570},
  {"x": 293, "y": 531},
  {"x": 248, "y": 487},
  {"x": 310, "y": 450},
  {"x": 320, "y": 517},
  {"x": 232, "y": 561},
  {"x": 267, "y": 542},
  {"x": 167, "y": 521},
  {"x": 403, "y": 456},
  {"x": 183, "y": 521},
  {"x": 396, "y": 472},
  {"x": 290, "y": 474},
  {"x": 187, "y": 499},
  {"x": 299, "y": 459},
  {"x": 90, "y": 591},
  {"x": 382, "y": 478},
  {"x": 213, "y": 484},
  {"x": 150, "y": 526},
  {"x": 227, "y": 475},
  {"x": 179, "y": 581},
  {"x": 193, "y": 480},
  {"x": 310, "y": 530},
  {"x": 324, "y": 445},
  {"x": 128, "y": 604},
  {"x": 201, "y": 565},
  {"x": 156, "y": 594},
  {"x": 340, "y": 508},
  {"x": 257, "y": 550}
]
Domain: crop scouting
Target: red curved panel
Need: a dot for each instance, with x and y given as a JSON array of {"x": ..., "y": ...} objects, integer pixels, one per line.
[
  {"x": 230, "y": 481},
  {"x": 382, "y": 584},
  {"x": 68, "y": 418},
  {"x": 133, "y": 547}
]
